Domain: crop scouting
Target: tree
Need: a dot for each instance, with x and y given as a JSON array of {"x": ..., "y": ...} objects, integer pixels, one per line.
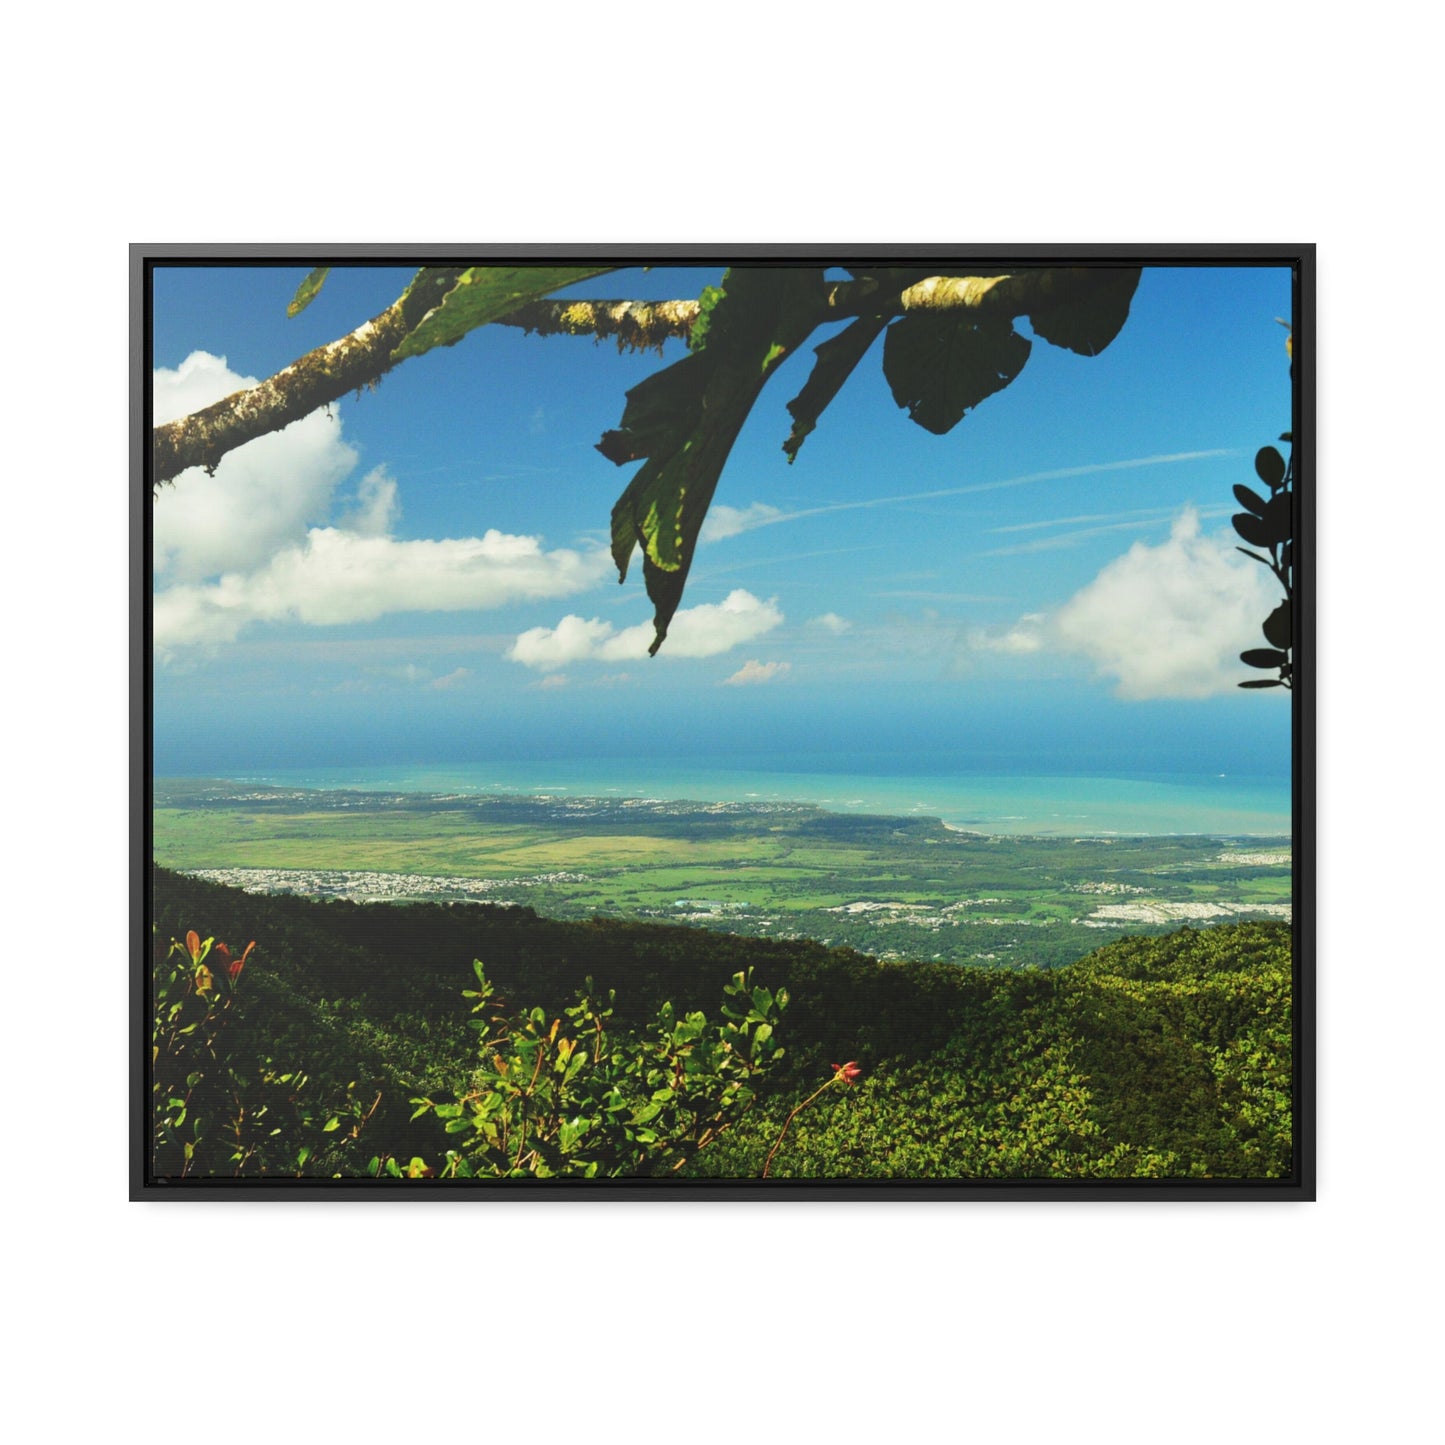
[{"x": 949, "y": 342}]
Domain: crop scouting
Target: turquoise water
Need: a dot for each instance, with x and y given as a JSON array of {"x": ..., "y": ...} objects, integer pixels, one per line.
[{"x": 985, "y": 803}]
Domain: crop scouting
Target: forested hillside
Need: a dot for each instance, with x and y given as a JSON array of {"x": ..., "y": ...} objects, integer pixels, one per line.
[{"x": 1153, "y": 1057}]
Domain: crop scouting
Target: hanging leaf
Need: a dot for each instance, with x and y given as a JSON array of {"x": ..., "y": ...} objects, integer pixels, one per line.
[
  {"x": 1252, "y": 501},
  {"x": 1263, "y": 657},
  {"x": 306, "y": 292},
  {"x": 484, "y": 293},
  {"x": 656, "y": 408},
  {"x": 1269, "y": 467},
  {"x": 836, "y": 359},
  {"x": 1089, "y": 324},
  {"x": 1278, "y": 626},
  {"x": 1262, "y": 682},
  {"x": 684, "y": 421},
  {"x": 940, "y": 366}
]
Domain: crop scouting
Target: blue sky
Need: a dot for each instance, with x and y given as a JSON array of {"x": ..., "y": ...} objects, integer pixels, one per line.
[{"x": 422, "y": 575}]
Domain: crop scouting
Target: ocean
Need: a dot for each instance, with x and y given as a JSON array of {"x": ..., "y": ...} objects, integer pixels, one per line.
[{"x": 1047, "y": 806}]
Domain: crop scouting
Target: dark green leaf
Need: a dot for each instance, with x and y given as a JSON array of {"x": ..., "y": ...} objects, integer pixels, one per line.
[
  {"x": 685, "y": 419},
  {"x": 306, "y": 291},
  {"x": 1279, "y": 516},
  {"x": 836, "y": 359},
  {"x": 1252, "y": 529},
  {"x": 1278, "y": 626},
  {"x": 1251, "y": 501},
  {"x": 1262, "y": 682},
  {"x": 484, "y": 293},
  {"x": 1263, "y": 657},
  {"x": 940, "y": 366},
  {"x": 1269, "y": 466},
  {"x": 1089, "y": 324}
]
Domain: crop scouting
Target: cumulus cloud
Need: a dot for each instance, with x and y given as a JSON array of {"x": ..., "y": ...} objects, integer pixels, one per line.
[
  {"x": 831, "y": 622},
  {"x": 1163, "y": 622},
  {"x": 262, "y": 495},
  {"x": 335, "y": 576},
  {"x": 273, "y": 537},
  {"x": 752, "y": 673},
  {"x": 702, "y": 631}
]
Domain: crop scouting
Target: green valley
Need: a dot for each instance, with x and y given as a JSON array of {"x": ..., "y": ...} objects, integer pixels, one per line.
[{"x": 892, "y": 887}]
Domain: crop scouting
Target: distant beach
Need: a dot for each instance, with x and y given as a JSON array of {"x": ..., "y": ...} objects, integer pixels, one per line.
[{"x": 1050, "y": 806}]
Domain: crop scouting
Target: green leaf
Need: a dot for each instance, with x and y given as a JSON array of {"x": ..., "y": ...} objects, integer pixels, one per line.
[
  {"x": 572, "y": 1130},
  {"x": 1269, "y": 467},
  {"x": 307, "y": 291},
  {"x": 837, "y": 358},
  {"x": 1090, "y": 323},
  {"x": 1278, "y": 626},
  {"x": 938, "y": 367},
  {"x": 1253, "y": 529},
  {"x": 1250, "y": 501},
  {"x": 1263, "y": 657},
  {"x": 484, "y": 293},
  {"x": 1262, "y": 682},
  {"x": 685, "y": 419}
]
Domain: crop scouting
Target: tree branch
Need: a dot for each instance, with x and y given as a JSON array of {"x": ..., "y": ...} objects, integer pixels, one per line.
[
  {"x": 317, "y": 379},
  {"x": 1009, "y": 296},
  {"x": 637, "y": 325}
]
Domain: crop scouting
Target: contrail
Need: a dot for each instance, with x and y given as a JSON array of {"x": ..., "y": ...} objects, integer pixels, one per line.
[{"x": 1059, "y": 474}]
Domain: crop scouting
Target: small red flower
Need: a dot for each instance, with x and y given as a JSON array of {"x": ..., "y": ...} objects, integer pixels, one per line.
[{"x": 851, "y": 1071}]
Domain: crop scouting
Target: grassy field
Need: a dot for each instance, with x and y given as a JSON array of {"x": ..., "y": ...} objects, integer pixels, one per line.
[{"x": 888, "y": 886}]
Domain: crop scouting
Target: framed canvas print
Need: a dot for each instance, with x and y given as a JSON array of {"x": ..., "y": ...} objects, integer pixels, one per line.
[{"x": 928, "y": 813}]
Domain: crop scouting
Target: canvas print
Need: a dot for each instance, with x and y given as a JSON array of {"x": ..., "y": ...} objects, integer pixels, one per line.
[{"x": 695, "y": 723}]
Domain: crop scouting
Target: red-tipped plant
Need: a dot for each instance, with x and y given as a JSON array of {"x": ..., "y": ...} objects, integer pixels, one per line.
[{"x": 845, "y": 1074}]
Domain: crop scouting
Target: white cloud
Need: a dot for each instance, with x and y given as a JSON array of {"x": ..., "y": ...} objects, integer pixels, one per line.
[
  {"x": 548, "y": 648},
  {"x": 1163, "y": 622},
  {"x": 1025, "y": 636},
  {"x": 753, "y": 673},
  {"x": 262, "y": 495},
  {"x": 722, "y": 521},
  {"x": 335, "y": 576},
  {"x": 702, "y": 631},
  {"x": 257, "y": 542},
  {"x": 831, "y": 622},
  {"x": 375, "y": 510}
]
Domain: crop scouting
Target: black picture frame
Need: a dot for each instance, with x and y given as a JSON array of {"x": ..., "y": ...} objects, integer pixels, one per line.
[{"x": 1298, "y": 1186}]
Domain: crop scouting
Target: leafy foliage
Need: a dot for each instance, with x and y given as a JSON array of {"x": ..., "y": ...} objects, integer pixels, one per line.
[
  {"x": 580, "y": 1101},
  {"x": 227, "y": 1100},
  {"x": 1267, "y": 524},
  {"x": 482, "y": 294},
  {"x": 1166, "y": 1057}
]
